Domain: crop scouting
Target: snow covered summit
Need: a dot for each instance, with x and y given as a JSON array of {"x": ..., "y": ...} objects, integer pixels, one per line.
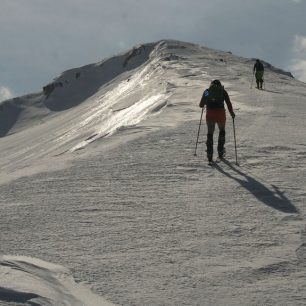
[
  {"x": 90, "y": 102},
  {"x": 98, "y": 177}
]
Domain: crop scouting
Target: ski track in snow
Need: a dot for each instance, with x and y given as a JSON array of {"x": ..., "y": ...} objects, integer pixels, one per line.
[{"x": 142, "y": 221}]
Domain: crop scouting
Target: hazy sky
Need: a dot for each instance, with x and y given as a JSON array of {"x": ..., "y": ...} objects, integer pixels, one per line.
[{"x": 42, "y": 38}]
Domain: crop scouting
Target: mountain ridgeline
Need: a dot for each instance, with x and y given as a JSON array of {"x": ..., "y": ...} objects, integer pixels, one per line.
[{"x": 75, "y": 86}]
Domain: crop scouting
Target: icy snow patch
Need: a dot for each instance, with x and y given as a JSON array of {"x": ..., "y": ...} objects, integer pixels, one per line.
[{"x": 127, "y": 117}]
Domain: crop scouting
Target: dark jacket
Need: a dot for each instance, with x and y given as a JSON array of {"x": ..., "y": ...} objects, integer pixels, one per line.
[{"x": 258, "y": 66}]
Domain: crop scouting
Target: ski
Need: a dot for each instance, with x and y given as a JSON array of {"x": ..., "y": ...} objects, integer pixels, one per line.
[
  {"x": 214, "y": 162},
  {"x": 220, "y": 159}
]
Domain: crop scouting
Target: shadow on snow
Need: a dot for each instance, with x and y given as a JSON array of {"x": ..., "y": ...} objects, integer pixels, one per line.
[
  {"x": 9, "y": 295},
  {"x": 273, "y": 198}
]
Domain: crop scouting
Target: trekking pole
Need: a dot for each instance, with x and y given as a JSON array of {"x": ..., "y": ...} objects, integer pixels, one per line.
[
  {"x": 252, "y": 80},
  {"x": 264, "y": 83},
  {"x": 235, "y": 142},
  {"x": 195, "y": 150}
]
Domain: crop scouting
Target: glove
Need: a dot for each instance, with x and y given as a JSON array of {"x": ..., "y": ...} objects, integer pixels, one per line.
[{"x": 233, "y": 114}]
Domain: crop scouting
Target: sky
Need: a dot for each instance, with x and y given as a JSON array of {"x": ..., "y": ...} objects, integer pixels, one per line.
[{"x": 40, "y": 38}]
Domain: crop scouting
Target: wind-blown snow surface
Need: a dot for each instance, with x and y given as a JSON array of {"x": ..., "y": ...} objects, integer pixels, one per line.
[
  {"x": 36, "y": 282},
  {"x": 100, "y": 178}
]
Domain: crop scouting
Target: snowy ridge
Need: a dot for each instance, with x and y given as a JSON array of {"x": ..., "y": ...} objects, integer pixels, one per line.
[
  {"x": 100, "y": 177},
  {"x": 128, "y": 99}
]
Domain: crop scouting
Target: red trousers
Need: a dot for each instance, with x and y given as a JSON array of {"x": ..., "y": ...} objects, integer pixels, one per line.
[{"x": 216, "y": 115}]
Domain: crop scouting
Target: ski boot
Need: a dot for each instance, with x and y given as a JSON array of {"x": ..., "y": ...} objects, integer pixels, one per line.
[{"x": 210, "y": 159}]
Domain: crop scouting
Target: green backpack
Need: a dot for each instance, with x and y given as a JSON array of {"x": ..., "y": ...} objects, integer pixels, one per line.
[{"x": 215, "y": 95}]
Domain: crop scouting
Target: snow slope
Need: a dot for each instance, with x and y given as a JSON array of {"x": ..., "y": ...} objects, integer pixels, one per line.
[{"x": 98, "y": 176}]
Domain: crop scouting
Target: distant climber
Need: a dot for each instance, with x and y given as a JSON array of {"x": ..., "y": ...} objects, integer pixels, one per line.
[
  {"x": 214, "y": 97},
  {"x": 259, "y": 72}
]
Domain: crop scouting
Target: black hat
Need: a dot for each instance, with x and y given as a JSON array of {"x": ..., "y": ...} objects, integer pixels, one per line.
[{"x": 216, "y": 82}]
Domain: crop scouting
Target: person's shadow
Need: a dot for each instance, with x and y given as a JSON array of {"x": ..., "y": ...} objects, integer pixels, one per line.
[
  {"x": 277, "y": 92},
  {"x": 271, "y": 197}
]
